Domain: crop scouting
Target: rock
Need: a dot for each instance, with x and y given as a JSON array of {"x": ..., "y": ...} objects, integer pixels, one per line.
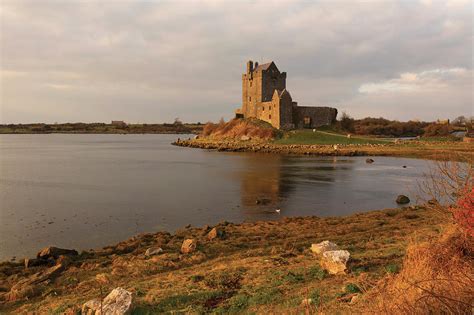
[
  {"x": 34, "y": 284},
  {"x": 354, "y": 299},
  {"x": 215, "y": 233},
  {"x": 322, "y": 247},
  {"x": 196, "y": 137},
  {"x": 189, "y": 246},
  {"x": 335, "y": 261},
  {"x": 369, "y": 161},
  {"x": 64, "y": 261},
  {"x": 91, "y": 307},
  {"x": 55, "y": 252},
  {"x": 118, "y": 302},
  {"x": 402, "y": 199},
  {"x": 153, "y": 251},
  {"x": 244, "y": 138}
]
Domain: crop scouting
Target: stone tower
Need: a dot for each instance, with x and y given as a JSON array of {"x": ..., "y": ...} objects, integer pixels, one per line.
[{"x": 264, "y": 96}]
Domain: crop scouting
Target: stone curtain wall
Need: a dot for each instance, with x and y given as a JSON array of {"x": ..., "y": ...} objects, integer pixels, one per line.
[{"x": 320, "y": 116}]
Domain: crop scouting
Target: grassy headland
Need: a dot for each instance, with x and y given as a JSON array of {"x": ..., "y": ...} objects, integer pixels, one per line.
[{"x": 247, "y": 135}]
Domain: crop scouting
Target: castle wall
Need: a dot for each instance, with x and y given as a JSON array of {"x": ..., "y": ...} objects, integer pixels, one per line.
[
  {"x": 266, "y": 112},
  {"x": 318, "y": 116},
  {"x": 271, "y": 80}
]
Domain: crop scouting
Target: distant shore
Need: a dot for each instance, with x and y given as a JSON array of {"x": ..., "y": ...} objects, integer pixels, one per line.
[
  {"x": 102, "y": 128},
  {"x": 416, "y": 149}
]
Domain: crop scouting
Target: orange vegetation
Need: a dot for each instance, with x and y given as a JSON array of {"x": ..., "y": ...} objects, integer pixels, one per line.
[{"x": 237, "y": 128}]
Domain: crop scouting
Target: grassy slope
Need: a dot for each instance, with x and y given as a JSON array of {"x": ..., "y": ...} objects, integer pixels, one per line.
[{"x": 261, "y": 267}]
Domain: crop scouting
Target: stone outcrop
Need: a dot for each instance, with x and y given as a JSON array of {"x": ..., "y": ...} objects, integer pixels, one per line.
[
  {"x": 118, "y": 302},
  {"x": 188, "y": 246},
  {"x": 322, "y": 247},
  {"x": 335, "y": 261},
  {"x": 34, "y": 284}
]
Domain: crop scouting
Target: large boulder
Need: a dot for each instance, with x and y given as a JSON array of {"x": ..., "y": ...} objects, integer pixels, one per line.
[
  {"x": 335, "y": 261},
  {"x": 118, "y": 302},
  {"x": 55, "y": 252},
  {"x": 188, "y": 246},
  {"x": 322, "y": 247},
  {"x": 215, "y": 233},
  {"x": 402, "y": 199}
]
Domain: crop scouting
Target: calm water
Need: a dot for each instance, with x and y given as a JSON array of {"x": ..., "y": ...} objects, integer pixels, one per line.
[{"x": 87, "y": 191}]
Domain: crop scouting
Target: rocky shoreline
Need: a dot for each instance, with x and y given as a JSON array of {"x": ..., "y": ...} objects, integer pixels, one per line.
[{"x": 431, "y": 150}]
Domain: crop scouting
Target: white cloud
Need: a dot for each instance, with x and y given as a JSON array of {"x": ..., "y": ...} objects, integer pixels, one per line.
[{"x": 429, "y": 80}]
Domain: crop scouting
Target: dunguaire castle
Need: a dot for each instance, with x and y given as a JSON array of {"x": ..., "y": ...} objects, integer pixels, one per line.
[{"x": 264, "y": 96}]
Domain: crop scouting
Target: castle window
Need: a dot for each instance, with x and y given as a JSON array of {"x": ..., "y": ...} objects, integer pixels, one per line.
[
  {"x": 250, "y": 98},
  {"x": 250, "y": 83},
  {"x": 263, "y": 108},
  {"x": 269, "y": 108},
  {"x": 269, "y": 116}
]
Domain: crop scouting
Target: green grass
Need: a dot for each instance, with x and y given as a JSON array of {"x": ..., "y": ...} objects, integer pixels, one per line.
[{"x": 323, "y": 137}]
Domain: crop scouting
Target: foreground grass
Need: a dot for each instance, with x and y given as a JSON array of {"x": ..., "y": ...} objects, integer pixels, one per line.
[{"x": 262, "y": 267}]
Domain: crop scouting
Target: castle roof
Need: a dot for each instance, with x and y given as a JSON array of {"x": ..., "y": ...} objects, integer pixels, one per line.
[
  {"x": 264, "y": 66},
  {"x": 280, "y": 93}
]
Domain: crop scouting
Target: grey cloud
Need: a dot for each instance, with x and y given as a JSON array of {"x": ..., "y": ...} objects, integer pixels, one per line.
[{"x": 153, "y": 61}]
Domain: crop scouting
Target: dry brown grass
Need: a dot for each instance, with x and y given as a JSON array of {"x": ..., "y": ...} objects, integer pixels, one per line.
[
  {"x": 236, "y": 128},
  {"x": 436, "y": 278}
]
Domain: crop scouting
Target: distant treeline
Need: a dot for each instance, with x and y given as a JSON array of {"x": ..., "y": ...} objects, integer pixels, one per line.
[
  {"x": 176, "y": 127},
  {"x": 393, "y": 128}
]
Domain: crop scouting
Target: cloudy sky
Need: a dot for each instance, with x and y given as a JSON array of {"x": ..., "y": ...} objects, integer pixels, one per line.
[{"x": 152, "y": 61}]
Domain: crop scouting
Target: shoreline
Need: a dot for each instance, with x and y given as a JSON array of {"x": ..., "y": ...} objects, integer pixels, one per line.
[
  {"x": 376, "y": 239},
  {"x": 411, "y": 149}
]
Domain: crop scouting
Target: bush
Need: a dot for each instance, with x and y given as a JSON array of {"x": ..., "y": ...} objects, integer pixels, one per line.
[{"x": 437, "y": 130}]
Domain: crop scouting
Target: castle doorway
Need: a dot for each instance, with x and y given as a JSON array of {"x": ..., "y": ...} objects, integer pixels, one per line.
[{"x": 307, "y": 122}]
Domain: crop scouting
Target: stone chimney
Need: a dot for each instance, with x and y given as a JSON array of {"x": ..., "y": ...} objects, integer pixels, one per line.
[{"x": 249, "y": 66}]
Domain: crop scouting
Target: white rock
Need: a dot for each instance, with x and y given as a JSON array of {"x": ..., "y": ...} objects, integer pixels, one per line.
[
  {"x": 335, "y": 261},
  {"x": 324, "y": 246},
  {"x": 90, "y": 307},
  {"x": 153, "y": 251},
  {"x": 118, "y": 302},
  {"x": 245, "y": 138}
]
